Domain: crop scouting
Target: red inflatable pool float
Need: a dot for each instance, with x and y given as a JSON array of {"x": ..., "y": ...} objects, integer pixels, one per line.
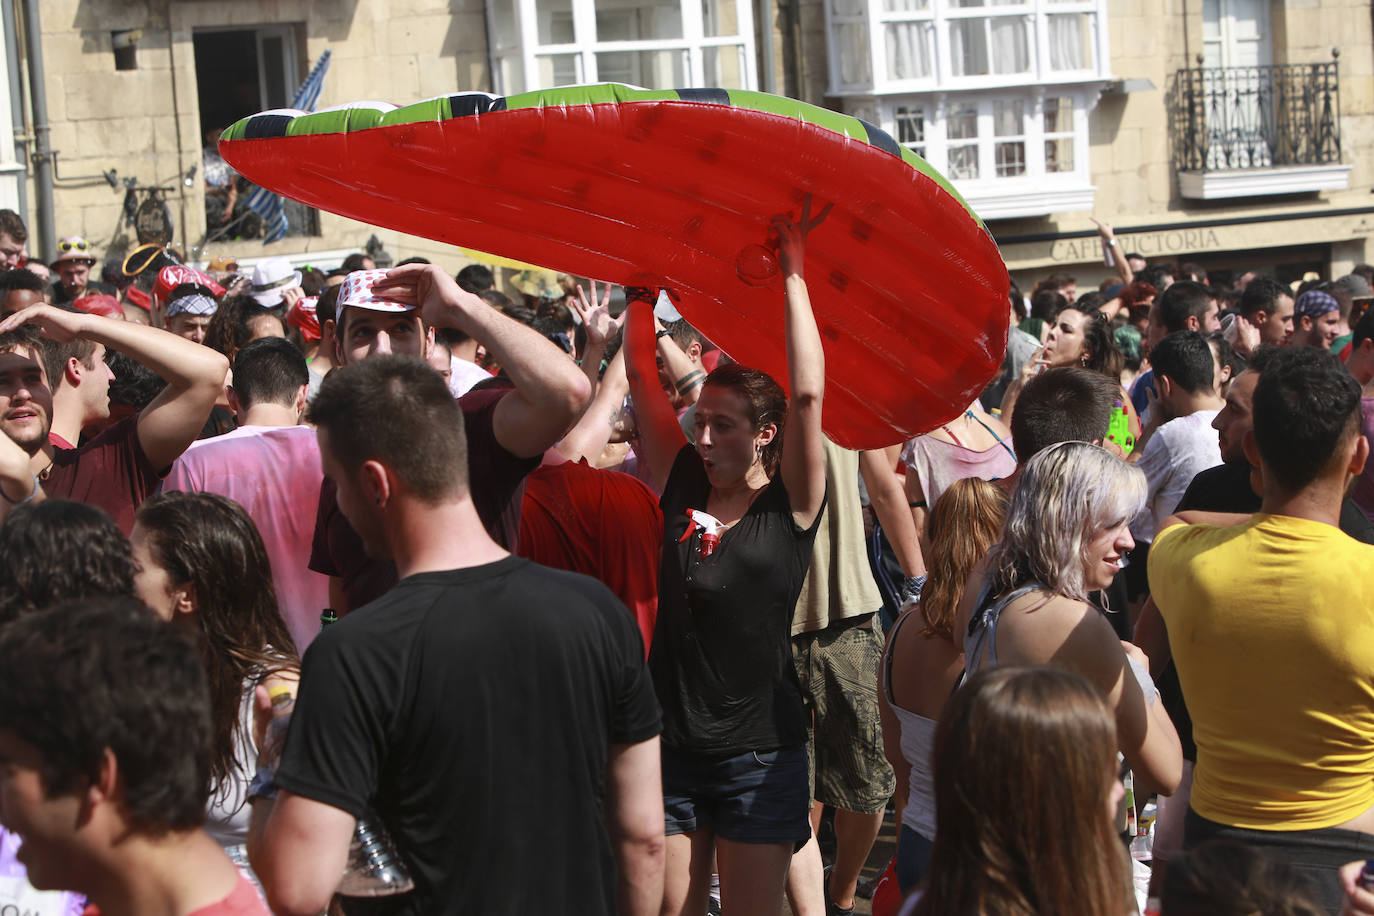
[{"x": 675, "y": 189}]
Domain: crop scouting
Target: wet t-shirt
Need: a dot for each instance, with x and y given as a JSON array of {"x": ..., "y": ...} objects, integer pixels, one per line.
[
  {"x": 111, "y": 471},
  {"x": 722, "y": 650}
]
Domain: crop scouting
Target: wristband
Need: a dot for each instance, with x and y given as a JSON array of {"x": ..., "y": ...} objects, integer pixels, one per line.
[
  {"x": 26, "y": 499},
  {"x": 264, "y": 783},
  {"x": 911, "y": 591},
  {"x": 1111, "y": 242}
]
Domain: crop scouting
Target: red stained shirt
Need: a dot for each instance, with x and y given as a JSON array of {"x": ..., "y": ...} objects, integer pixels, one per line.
[
  {"x": 111, "y": 472},
  {"x": 600, "y": 523}
]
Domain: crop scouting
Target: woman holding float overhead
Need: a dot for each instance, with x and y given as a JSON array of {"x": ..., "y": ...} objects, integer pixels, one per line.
[{"x": 740, "y": 513}]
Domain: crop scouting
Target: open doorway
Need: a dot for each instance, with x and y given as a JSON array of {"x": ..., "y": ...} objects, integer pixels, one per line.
[{"x": 239, "y": 72}]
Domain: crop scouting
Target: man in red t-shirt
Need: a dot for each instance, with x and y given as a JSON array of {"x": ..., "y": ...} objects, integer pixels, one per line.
[
  {"x": 121, "y": 467},
  {"x": 600, "y": 523},
  {"x": 395, "y": 312}
]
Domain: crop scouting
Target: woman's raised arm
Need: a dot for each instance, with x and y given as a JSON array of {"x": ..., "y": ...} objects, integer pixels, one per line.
[
  {"x": 660, "y": 436},
  {"x": 803, "y": 454}
]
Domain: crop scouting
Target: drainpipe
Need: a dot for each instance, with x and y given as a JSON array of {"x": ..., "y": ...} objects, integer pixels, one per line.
[
  {"x": 763, "y": 13},
  {"x": 21, "y": 147},
  {"x": 42, "y": 142}
]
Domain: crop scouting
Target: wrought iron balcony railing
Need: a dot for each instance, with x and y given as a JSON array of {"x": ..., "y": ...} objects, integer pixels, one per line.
[{"x": 1230, "y": 118}]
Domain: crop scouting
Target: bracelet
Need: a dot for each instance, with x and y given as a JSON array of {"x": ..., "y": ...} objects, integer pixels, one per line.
[
  {"x": 918, "y": 504},
  {"x": 662, "y": 333},
  {"x": 911, "y": 591},
  {"x": 26, "y": 499},
  {"x": 691, "y": 381},
  {"x": 1111, "y": 243}
]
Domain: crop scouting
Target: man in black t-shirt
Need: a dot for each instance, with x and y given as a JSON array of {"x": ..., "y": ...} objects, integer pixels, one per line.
[{"x": 497, "y": 716}]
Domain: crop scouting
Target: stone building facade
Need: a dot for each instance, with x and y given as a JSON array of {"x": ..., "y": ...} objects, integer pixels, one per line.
[{"x": 1218, "y": 131}]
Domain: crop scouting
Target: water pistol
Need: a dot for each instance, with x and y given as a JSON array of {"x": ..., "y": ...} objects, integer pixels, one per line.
[{"x": 1119, "y": 429}]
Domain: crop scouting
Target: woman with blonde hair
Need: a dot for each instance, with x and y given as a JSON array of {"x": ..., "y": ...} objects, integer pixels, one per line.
[
  {"x": 921, "y": 664},
  {"x": 1026, "y": 788},
  {"x": 1067, "y": 534}
]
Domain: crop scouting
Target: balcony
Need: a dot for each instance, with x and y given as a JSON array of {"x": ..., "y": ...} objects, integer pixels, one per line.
[{"x": 1256, "y": 131}]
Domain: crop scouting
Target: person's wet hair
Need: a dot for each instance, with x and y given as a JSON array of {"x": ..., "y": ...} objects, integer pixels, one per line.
[
  {"x": 269, "y": 370},
  {"x": 1185, "y": 358},
  {"x": 1306, "y": 406},
  {"x": 1226, "y": 878},
  {"x": 1062, "y": 405},
  {"x": 86, "y": 678},
  {"x": 209, "y": 541},
  {"x": 396, "y": 410},
  {"x": 58, "y": 550}
]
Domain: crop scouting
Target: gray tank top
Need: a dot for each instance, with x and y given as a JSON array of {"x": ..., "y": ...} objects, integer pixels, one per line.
[{"x": 981, "y": 638}]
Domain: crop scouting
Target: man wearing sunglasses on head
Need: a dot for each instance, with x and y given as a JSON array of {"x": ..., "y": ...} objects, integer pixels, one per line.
[{"x": 75, "y": 258}]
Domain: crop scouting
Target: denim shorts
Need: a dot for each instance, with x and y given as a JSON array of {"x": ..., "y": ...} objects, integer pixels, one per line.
[
  {"x": 754, "y": 797},
  {"x": 913, "y": 859}
]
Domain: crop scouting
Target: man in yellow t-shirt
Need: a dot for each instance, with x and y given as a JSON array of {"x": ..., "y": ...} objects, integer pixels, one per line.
[{"x": 1271, "y": 623}]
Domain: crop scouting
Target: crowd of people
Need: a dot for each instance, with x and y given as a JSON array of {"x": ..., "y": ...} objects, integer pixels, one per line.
[{"x": 382, "y": 591}]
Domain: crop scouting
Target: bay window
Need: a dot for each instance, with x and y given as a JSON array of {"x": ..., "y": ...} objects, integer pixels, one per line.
[
  {"x": 654, "y": 44},
  {"x": 993, "y": 93}
]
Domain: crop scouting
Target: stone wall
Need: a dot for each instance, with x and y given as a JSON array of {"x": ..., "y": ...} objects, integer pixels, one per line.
[
  {"x": 145, "y": 122},
  {"x": 1136, "y": 185}
]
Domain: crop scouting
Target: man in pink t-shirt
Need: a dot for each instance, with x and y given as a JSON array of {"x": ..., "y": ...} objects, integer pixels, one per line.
[{"x": 270, "y": 465}]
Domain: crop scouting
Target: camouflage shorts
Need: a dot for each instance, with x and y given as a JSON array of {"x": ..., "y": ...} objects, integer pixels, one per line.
[{"x": 838, "y": 670}]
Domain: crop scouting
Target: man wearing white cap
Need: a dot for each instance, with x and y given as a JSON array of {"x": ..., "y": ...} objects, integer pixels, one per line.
[
  {"x": 73, "y": 266},
  {"x": 381, "y": 312},
  {"x": 275, "y": 282}
]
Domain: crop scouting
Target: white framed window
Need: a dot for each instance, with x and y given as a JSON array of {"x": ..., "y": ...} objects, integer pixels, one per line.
[
  {"x": 1061, "y": 138},
  {"x": 1009, "y": 137},
  {"x": 904, "y": 45},
  {"x": 1010, "y": 153},
  {"x": 910, "y": 124},
  {"x": 656, "y": 44},
  {"x": 961, "y": 142},
  {"x": 994, "y": 93}
]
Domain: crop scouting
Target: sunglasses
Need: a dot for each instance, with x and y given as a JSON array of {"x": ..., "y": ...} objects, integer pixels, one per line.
[{"x": 67, "y": 245}]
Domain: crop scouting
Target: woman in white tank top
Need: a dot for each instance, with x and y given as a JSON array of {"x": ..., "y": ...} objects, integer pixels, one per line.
[{"x": 922, "y": 664}]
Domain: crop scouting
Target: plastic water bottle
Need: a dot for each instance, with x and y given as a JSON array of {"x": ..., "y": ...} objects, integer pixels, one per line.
[
  {"x": 374, "y": 869},
  {"x": 1367, "y": 875}
]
